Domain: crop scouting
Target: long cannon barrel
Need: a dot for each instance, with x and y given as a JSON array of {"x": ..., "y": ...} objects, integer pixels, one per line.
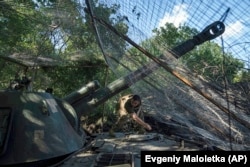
[
  {"x": 210, "y": 32},
  {"x": 89, "y": 101},
  {"x": 101, "y": 95},
  {"x": 82, "y": 92}
]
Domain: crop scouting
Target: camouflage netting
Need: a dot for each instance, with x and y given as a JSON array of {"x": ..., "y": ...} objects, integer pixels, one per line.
[
  {"x": 186, "y": 104},
  {"x": 189, "y": 96}
]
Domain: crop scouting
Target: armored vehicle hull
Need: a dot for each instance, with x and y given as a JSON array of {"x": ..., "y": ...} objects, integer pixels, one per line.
[{"x": 34, "y": 128}]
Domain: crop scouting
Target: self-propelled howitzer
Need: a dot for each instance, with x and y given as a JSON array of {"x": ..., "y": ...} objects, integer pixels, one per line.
[{"x": 37, "y": 128}]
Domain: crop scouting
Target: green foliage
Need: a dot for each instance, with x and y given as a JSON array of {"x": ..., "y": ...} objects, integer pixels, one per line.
[
  {"x": 66, "y": 79},
  {"x": 7, "y": 72},
  {"x": 55, "y": 29},
  {"x": 242, "y": 76},
  {"x": 15, "y": 23},
  {"x": 209, "y": 61},
  {"x": 110, "y": 42},
  {"x": 170, "y": 36}
]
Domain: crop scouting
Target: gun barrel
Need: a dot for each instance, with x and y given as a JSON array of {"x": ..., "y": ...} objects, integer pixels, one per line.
[
  {"x": 101, "y": 95},
  {"x": 83, "y": 91}
]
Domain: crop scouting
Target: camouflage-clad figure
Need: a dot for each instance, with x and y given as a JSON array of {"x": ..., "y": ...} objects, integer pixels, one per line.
[{"x": 129, "y": 106}]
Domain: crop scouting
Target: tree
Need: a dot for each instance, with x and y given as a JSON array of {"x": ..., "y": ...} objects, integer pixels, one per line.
[{"x": 59, "y": 30}]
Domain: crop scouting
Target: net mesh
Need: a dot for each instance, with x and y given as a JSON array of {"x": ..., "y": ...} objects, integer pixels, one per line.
[
  {"x": 191, "y": 97},
  {"x": 179, "y": 106}
]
